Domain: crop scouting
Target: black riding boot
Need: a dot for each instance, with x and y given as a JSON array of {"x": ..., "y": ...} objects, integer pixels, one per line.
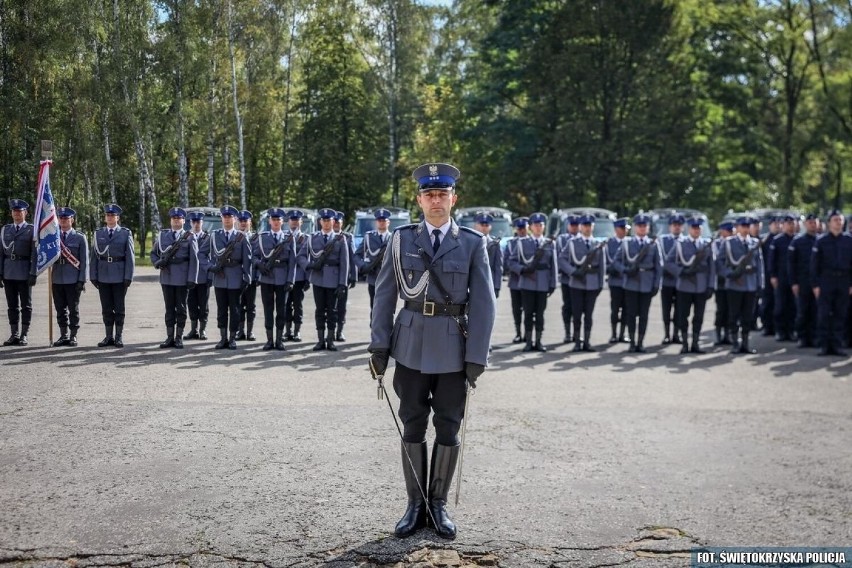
[
  {"x": 170, "y": 338},
  {"x": 444, "y": 460},
  {"x": 329, "y": 341},
  {"x": 297, "y": 337},
  {"x": 735, "y": 344},
  {"x": 72, "y": 339},
  {"x": 250, "y": 331},
  {"x": 320, "y": 346},
  {"x": 696, "y": 340},
  {"x": 339, "y": 335},
  {"x": 288, "y": 335},
  {"x": 202, "y": 330},
  {"x": 193, "y": 330},
  {"x": 179, "y": 338},
  {"x": 107, "y": 340},
  {"x": 63, "y": 337},
  {"x": 279, "y": 338},
  {"x": 119, "y": 336},
  {"x": 538, "y": 345},
  {"x": 414, "y": 517},
  {"x": 518, "y": 338},
  {"x": 744, "y": 346},
  {"x": 23, "y": 340},
  {"x": 14, "y": 338},
  {"x": 223, "y": 338},
  {"x": 269, "y": 345}
]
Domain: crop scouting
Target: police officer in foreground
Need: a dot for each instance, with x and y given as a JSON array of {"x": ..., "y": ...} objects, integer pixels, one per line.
[
  {"x": 726, "y": 229},
  {"x": 175, "y": 254},
  {"x": 274, "y": 257},
  {"x": 615, "y": 279},
  {"x": 111, "y": 272},
  {"x": 373, "y": 251},
  {"x": 18, "y": 271},
  {"x": 831, "y": 266},
  {"x": 801, "y": 282},
  {"x": 295, "y": 299},
  {"x": 779, "y": 280},
  {"x": 584, "y": 261},
  {"x": 231, "y": 269},
  {"x": 440, "y": 339},
  {"x": 765, "y": 306},
  {"x": 483, "y": 223},
  {"x": 693, "y": 265},
  {"x": 513, "y": 282},
  {"x": 343, "y": 295},
  {"x": 668, "y": 290},
  {"x": 69, "y": 277},
  {"x": 198, "y": 297},
  {"x": 572, "y": 229},
  {"x": 248, "y": 299},
  {"x": 639, "y": 260},
  {"x": 741, "y": 262}
]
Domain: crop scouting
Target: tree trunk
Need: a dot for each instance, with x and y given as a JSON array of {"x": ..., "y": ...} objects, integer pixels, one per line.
[
  {"x": 237, "y": 116},
  {"x": 285, "y": 142},
  {"x": 211, "y": 162},
  {"x": 226, "y": 156}
]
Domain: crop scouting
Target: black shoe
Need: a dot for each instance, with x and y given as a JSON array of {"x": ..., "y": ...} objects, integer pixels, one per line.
[
  {"x": 288, "y": 335},
  {"x": 269, "y": 345},
  {"x": 23, "y": 340},
  {"x": 684, "y": 349},
  {"x": 567, "y": 338},
  {"x": 539, "y": 346},
  {"x": 518, "y": 339},
  {"x": 320, "y": 346},
  {"x": 745, "y": 349},
  {"x": 14, "y": 339},
  {"x": 839, "y": 352},
  {"x": 613, "y": 339},
  {"x": 696, "y": 348},
  {"x": 414, "y": 517},
  {"x": 179, "y": 338},
  {"x": 444, "y": 459},
  {"x": 223, "y": 339},
  {"x": 640, "y": 348},
  {"x": 193, "y": 331},
  {"x": 279, "y": 339},
  {"x": 106, "y": 342},
  {"x": 72, "y": 341},
  {"x": 676, "y": 339},
  {"x": 578, "y": 347},
  {"x": 119, "y": 342},
  {"x": 62, "y": 341},
  {"x": 170, "y": 338},
  {"x": 329, "y": 343},
  {"x": 202, "y": 331},
  {"x": 667, "y": 340},
  {"x": 250, "y": 332},
  {"x": 240, "y": 335},
  {"x": 339, "y": 335},
  {"x": 588, "y": 348},
  {"x": 297, "y": 337},
  {"x": 528, "y": 346},
  {"x": 232, "y": 341}
]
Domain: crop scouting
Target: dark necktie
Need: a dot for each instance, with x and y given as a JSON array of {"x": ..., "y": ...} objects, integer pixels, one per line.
[
  {"x": 325, "y": 238},
  {"x": 437, "y": 243},
  {"x": 276, "y": 238},
  {"x": 227, "y": 236},
  {"x": 64, "y": 236},
  {"x": 110, "y": 233}
]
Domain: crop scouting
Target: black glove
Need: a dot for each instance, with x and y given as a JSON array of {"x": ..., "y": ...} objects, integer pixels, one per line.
[
  {"x": 351, "y": 284},
  {"x": 340, "y": 290},
  {"x": 127, "y": 284},
  {"x": 190, "y": 285},
  {"x": 631, "y": 270},
  {"x": 96, "y": 284},
  {"x": 243, "y": 286},
  {"x": 496, "y": 292},
  {"x": 379, "y": 363},
  {"x": 159, "y": 264},
  {"x": 528, "y": 270},
  {"x": 306, "y": 285},
  {"x": 288, "y": 287},
  {"x": 472, "y": 372},
  {"x": 266, "y": 271},
  {"x": 32, "y": 280},
  {"x": 81, "y": 286},
  {"x": 310, "y": 266}
]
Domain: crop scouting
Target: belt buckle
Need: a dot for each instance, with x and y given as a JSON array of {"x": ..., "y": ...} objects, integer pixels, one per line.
[
  {"x": 109, "y": 259},
  {"x": 428, "y": 308},
  {"x": 13, "y": 257}
]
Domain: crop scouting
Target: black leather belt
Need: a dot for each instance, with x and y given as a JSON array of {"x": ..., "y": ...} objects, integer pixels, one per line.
[
  {"x": 14, "y": 256},
  {"x": 434, "y": 309},
  {"x": 112, "y": 258}
]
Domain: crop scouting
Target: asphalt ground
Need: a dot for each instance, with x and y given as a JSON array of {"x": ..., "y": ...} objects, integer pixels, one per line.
[{"x": 147, "y": 457}]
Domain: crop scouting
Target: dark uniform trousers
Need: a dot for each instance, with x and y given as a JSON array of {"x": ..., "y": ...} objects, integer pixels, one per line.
[
  {"x": 806, "y": 315},
  {"x": 112, "y": 303},
  {"x": 833, "y": 307},
  {"x": 295, "y": 299},
  {"x": 342, "y": 298},
  {"x": 19, "y": 298},
  {"x": 638, "y": 305},
  {"x": 668, "y": 298},
  {"x": 721, "y": 320},
  {"x": 325, "y": 315},
  {"x": 741, "y": 310},
  {"x": 535, "y": 303},
  {"x": 766, "y": 309},
  {"x": 274, "y": 300},
  {"x": 687, "y": 301},
  {"x": 517, "y": 305},
  {"x": 583, "y": 304},
  {"x": 248, "y": 303},
  {"x": 443, "y": 394},
  {"x": 567, "y": 311},
  {"x": 371, "y": 289},
  {"x": 617, "y": 306},
  {"x": 196, "y": 302},
  {"x": 66, "y": 298},
  {"x": 175, "y": 300},
  {"x": 228, "y": 308},
  {"x": 785, "y": 308}
]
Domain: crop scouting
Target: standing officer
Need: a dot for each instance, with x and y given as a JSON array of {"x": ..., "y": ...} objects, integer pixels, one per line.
[
  {"x": 343, "y": 297},
  {"x": 440, "y": 338},
  {"x": 692, "y": 263},
  {"x": 584, "y": 261},
  {"x": 514, "y": 283},
  {"x": 248, "y": 299},
  {"x": 495, "y": 257},
  {"x": 18, "y": 271},
  {"x": 230, "y": 264},
  {"x": 831, "y": 266},
  {"x": 801, "y": 282},
  {"x": 198, "y": 297},
  {"x": 779, "y": 279},
  {"x": 274, "y": 257},
  {"x": 639, "y": 260},
  {"x": 742, "y": 266},
  {"x": 111, "y": 272},
  {"x": 534, "y": 261},
  {"x": 296, "y": 297},
  {"x": 572, "y": 229},
  {"x": 325, "y": 256},
  {"x": 668, "y": 291},
  {"x": 726, "y": 229},
  {"x": 373, "y": 251},
  {"x": 175, "y": 254},
  {"x": 69, "y": 277},
  {"x": 765, "y": 308},
  {"x": 617, "y": 305}
]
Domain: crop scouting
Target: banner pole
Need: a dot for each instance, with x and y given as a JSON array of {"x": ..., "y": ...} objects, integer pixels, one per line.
[{"x": 50, "y": 305}]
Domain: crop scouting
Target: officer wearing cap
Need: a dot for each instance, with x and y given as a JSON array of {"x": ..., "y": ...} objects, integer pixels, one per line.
[
  {"x": 801, "y": 281},
  {"x": 640, "y": 262},
  {"x": 231, "y": 269},
  {"x": 68, "y": 277},
  {"x": 831, "y": 266},
  {"x": 742, "y": 266},
  {"x": 534, "y": 261},
  {"x": 175, "y": 254},
  {"x": 440, "y": 338},
  {"x": 584, "y": 261},
  {"x": 18, "y": 271},
  {"x": 274, "y": 257},
  {"x": 373, "y": 251},
  {"x": 693, "y": 266},
  {"x": 343, "y": 296},
  {"x": 111, "y": 272},
  {"x": 198, "y": 297},
  {"x": 617, "y": 304},
  {"x": 668, "y": 290},
  {"x": 766, "y": 305},
  {"x": 726, "y": 229},
  {"x": 248, "y": 299},
  {"x": 572, "y": 229},
  {"x": 296, "y": 297},
  {"x": 482, "y": 223},
  {"x": 779, "y": 279},
  {"x": 325, "y": 256},
  {"x": 514, "y": 283}
]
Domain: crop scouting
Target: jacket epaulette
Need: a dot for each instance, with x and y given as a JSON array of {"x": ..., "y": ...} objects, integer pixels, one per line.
[{"x": 471, "y": 230}]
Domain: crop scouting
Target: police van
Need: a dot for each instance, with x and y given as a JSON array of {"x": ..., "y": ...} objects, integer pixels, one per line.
[
  {"x": 604, "y": 221},
  {"x": 310, "y": 220},
  {"x": 212, "y": 219},
  {"x": 365, "y": 220},
  {"x": 660, "y": 221},
  {"x": 501, "y": 226}
]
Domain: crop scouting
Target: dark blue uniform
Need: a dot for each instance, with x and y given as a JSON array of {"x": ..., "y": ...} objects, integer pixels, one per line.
[
  {"x": 799, "y": 270},
  {"x": 766, "y": 307},
  {"x": 831, "y": 266},
  {"x": 785, "y": 302}
]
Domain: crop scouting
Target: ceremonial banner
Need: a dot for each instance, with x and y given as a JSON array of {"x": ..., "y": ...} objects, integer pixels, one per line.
[{"x": 46, "y": 235}]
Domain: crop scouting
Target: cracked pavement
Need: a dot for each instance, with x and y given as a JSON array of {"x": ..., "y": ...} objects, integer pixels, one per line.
[{"x": 146, "y": 457}]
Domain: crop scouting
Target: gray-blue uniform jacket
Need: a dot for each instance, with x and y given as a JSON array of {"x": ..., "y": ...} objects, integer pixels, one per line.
[
  {"x": 282, "y": 265},
  {"x": 514, "y": 279},
  {"x": 113, "y": 259},
  {"x": 578, "y": 254},
  {"x": 300, "y": 238},
  {"x": 615, "y": 279},
  {"x": 371, "y": 246},
  {"x": 237, "y": 266},
  {"x": 353, "y": 266},
  {"x": 183, "y": 267},
  {"x": 562, "y": 241},
  {"x": 495, "y": 261},
  {"x": 17, "y": 252},
  {"x": 693, "y": 274},
  {"x": 434, "y": 344},
  {"x": 335, "y": 271},
  {"x": 543, "y": 276},
  {"x": 667, "y": 243},
  {"x": 731, "y": 256},
  {"x": 63, "y": 271},
  {"x": 252, "y": 237},
  {"x": 650, "y": 269},
  {"x": 202, "y": 239}
]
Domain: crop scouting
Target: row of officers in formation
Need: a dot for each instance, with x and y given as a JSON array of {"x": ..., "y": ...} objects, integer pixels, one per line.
[
  {"x": 234, "y": 261},
  {"x": 797, "y": 282}
]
